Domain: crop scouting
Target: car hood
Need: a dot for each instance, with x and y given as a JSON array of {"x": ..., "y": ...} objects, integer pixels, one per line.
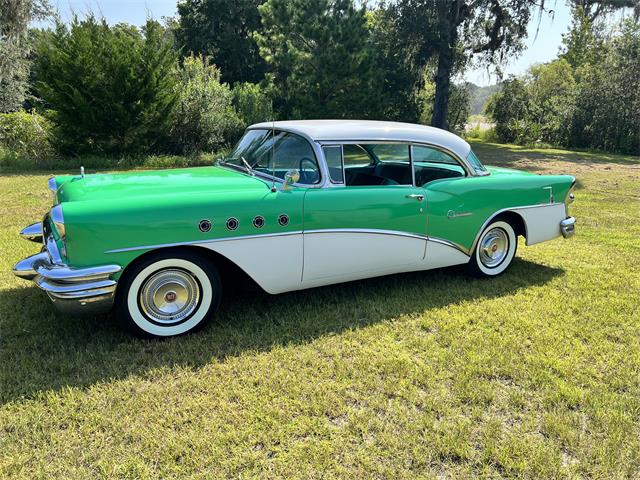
[{"x": 152, "y": 183}]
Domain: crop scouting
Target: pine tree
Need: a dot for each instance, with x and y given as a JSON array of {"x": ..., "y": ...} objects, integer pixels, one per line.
[{"x": 111, "y": 88}]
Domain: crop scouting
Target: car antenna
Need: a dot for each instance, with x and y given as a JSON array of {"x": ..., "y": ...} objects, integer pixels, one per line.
[{"x": 273, "y": 152}]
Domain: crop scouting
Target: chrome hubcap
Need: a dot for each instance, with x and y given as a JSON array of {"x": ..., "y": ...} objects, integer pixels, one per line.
[
  {"x": 494, "y": 247},
  {"x": 169, "y": 296}
]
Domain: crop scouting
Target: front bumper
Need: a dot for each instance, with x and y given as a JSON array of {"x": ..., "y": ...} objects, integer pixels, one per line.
[
  {"x": 73, "y": 290},
  {"x": 568, "y": 227}
]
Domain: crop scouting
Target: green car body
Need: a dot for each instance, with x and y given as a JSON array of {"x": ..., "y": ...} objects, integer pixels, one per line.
[{"x": 284, "y": 233}]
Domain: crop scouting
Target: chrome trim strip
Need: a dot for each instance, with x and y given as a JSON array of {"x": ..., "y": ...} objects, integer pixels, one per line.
[
  {"x": 368, "y": 230},
  {"x": 33, "y": 232},
  {"x": 200, "y": 242},
  {"x": 448, "y": 243}
]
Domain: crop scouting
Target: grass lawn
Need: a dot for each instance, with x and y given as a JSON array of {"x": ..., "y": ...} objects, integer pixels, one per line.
[{"x": 534, "y": 374}]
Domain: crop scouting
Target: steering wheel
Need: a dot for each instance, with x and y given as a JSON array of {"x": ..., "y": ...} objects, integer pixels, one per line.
[{"x": 313, "y": 175}]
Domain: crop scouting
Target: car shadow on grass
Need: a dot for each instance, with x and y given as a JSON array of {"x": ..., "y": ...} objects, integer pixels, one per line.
[{"x": 43, "y": 350}]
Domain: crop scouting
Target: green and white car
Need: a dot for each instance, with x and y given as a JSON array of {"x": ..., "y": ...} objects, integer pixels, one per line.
[{"x": 297, "y": 204}]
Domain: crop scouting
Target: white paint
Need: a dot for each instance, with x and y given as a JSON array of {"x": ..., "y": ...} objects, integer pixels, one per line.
[
  {"x": 542, "y": 222},
  {"x": 369, "y": 130},
  {"x": 440, "y": 255},
  {"x": 165, "y": 331},
  {"x": 342, "y": 256},
  {"x": 273, "y": 262}
]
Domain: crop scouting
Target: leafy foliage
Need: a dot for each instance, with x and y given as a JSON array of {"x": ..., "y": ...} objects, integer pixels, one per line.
[
  {"x": 204, "y": 118},
  {"x": 252, "y": 103},
  {"x": 112, "y": 88},
  {"x": 15, "y": 46},
  {"x": 458, "y": 111},
  {"x": 593, "y": 104},
  {"x": 321, "y": 66},
  {"x": 28, "y": 136},
  {"x": 223, "y": 31}
]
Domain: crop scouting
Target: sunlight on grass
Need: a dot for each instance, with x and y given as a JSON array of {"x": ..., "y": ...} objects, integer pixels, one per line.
[{"x": 434, "y": 374}]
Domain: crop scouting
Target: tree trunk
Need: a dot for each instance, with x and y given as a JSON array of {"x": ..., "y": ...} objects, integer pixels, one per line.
[
  {"x": 449, "y": 19},
  {"x": 443, "y": 87}
]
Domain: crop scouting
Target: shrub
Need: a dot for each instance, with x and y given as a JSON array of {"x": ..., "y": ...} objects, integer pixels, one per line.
[
  {"x": 204, "y": 118},
  {"x": 252, "y": 103},
  {"x": 112, "y": 87},
  {"x": 26, "y": 136}
]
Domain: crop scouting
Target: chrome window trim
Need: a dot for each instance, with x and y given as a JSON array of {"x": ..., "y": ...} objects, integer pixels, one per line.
[
  {"x": 341, "y": 147},
  {"x": 463, "y": 163}
]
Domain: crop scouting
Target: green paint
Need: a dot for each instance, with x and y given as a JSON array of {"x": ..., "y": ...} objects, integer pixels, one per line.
[{"x": 118, "y": 211}]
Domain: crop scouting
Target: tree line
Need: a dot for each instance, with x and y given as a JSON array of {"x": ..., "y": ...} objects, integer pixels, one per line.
[
  {"x": 194, "y": 82},
  {"x": 589, "y": 97}
]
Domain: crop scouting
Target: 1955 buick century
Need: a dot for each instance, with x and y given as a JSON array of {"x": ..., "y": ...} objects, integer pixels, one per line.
[{"x": 297, "y": 204}]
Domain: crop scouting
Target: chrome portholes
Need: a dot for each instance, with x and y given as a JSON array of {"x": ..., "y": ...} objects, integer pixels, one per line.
[
  {"x": 494, "y": 247},
  {"x": 283, "y": 220},
  {"x": 169, "y": 296},
  {"x": 204, "y": 225},
  {"x": 232, "y": 223},
  {"x": 258, "y": 221}
]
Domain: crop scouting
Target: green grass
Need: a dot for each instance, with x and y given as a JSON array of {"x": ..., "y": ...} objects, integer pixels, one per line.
[{"x": 534, "y": 374}]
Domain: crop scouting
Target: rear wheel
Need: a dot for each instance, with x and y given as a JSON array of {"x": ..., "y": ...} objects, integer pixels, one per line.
[
  {"x": 169, "y": 294},
  {"x": 495, "y": 250}
]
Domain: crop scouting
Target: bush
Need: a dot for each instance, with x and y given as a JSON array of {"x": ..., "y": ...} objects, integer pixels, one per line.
[
  {"x": 204, "y": 118},
  {"x": 111, "y": 87},
  {"x": 252, "y": 103},
  {"x": 26, "y": 137}
]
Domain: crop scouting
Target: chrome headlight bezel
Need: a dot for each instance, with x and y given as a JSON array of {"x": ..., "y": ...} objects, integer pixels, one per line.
[
  {"x": 54, "y": 220},
  {"x": 53, "y": 190}
]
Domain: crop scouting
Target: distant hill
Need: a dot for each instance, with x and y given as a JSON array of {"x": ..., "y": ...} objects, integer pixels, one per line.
[{"x": 479, "y": 96}]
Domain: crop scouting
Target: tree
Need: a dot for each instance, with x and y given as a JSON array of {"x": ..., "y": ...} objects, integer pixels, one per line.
[
  {"x": 223, "y": 31},
  {"x": 489, "y": 29},
  {"x": 319, "y": 57},
  {"x": 111, "y": 88},
  {"x": 15, "y": 46},
  {"x": 204, "y": 118},
  {"x": 509, "y": 110}
]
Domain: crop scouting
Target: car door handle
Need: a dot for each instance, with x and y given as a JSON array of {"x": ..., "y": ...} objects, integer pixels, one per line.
[{"x": 417, "y": 196}]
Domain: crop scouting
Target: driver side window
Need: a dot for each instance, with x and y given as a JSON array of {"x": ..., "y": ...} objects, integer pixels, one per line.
[{"x": 290, "y": 152}]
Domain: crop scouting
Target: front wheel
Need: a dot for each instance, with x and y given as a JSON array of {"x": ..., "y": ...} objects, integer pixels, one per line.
[
  {"x": 168, "y": 294},
  {"x": 495, "y": 250}
]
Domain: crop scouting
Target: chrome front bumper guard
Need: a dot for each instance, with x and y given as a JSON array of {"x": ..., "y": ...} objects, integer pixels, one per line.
[
  {"x": 73, "y": 290},
  {"x": 568, "y": 227}
]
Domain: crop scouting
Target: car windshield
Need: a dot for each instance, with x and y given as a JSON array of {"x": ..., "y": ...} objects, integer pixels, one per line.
[{"x": 475, "y": 163}]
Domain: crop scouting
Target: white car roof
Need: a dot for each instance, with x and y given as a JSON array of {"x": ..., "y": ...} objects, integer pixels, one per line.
[{"x": 370, "y": 130}]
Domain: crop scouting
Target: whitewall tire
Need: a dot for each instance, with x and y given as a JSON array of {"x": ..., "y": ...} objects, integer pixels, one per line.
[
  {"x": 495, "y": 250},
  {"x": 169, "y": 294}
]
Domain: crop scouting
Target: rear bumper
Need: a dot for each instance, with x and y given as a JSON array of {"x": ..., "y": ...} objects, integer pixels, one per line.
[
  {"x": 568, "y": 227},
  {"x": 73, "y": 290}
]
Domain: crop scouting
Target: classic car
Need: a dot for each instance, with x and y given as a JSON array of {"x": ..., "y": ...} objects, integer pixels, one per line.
[{"x": 296, "y": 204}]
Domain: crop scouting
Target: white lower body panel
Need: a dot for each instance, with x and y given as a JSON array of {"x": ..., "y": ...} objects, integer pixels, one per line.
[{"x": 542, "y": 222}]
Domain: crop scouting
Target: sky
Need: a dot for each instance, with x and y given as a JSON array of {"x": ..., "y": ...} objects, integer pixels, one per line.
[{"x": 539, "y": 48}]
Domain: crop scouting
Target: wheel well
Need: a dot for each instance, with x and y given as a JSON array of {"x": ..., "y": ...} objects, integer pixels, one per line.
[
  {"x": 515, "y": 220},
  {"x": 230, "y": 273}
]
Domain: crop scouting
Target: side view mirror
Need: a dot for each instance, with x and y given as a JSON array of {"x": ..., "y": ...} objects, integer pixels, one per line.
[{"x": 291, "y": 177}]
